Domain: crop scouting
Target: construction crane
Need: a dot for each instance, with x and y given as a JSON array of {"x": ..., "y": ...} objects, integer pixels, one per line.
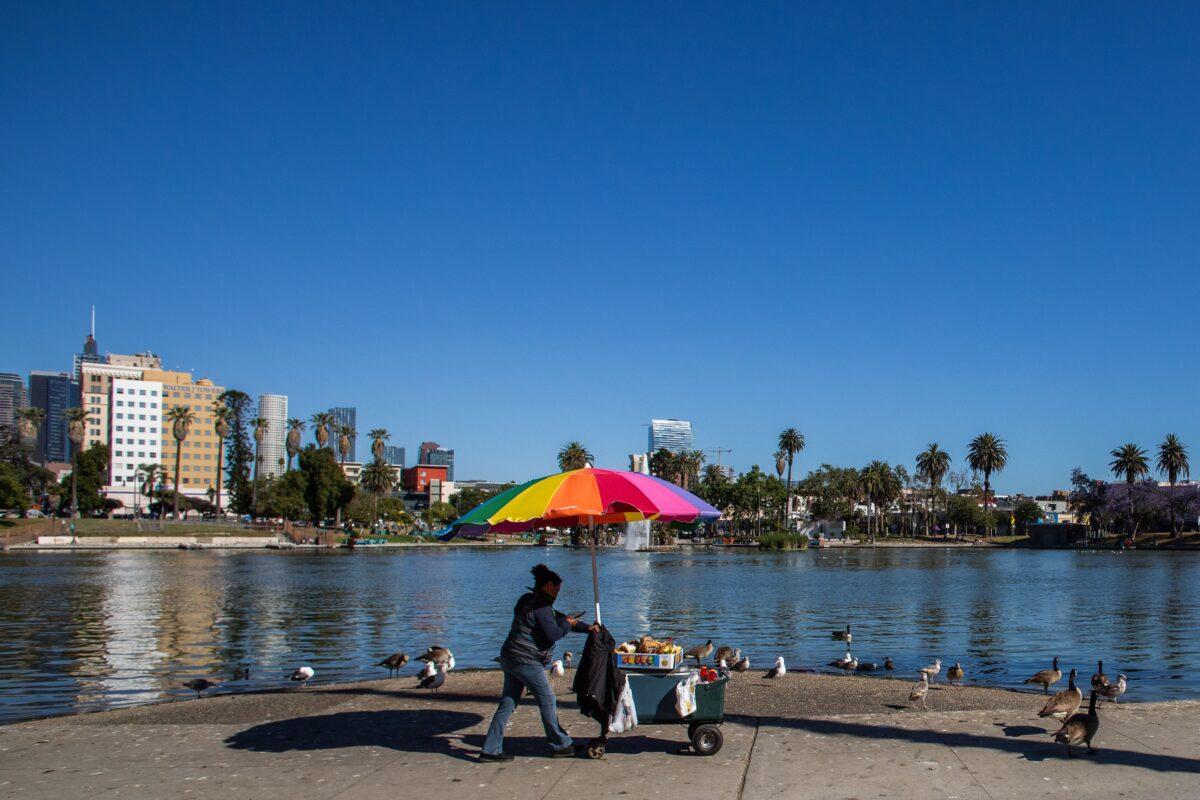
[{"x": 718, "y": 451}]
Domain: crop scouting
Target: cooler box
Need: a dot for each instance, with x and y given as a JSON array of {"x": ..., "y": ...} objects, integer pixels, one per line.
[{"x": 654, "y": 699}]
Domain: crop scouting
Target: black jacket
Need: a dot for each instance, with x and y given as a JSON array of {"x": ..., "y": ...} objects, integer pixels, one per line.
[
  {"x": 598, "y": 683},
  {"x": 536, "y": 626}
]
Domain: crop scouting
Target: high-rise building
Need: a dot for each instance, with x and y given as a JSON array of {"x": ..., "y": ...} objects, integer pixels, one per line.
[
  {"x": 433, "y": 454},
  {"x": 12, "y": 397},
  {"x": 96, "y": 392},
  {"x": 670, "y": 434},
  {"x": 136, "y": 427},
  {"x": 348, "y": 417},
  {"x": 199, "y": 453},
  {"x": 393, "y": 455},
  {"x": 274, "y": 409},
  {"x": 90, "y": 353},
  {"x": 53, "y": 393}
]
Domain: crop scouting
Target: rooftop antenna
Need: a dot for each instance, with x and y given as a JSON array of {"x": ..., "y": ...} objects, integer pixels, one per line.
[{"x": 93, "y": 322}]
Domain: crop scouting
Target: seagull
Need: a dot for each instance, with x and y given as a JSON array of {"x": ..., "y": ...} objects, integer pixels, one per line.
[
  {"x": 1111, "y": 691},
  {"x": 201, "y": 685},
  {"x": 933, "y": 669},
  {"x": 302, "y": 675},
  {"x": 777, "y": 671},
  {"x": 435, "y": 680},
  {"x": 722, "y": 668},
  {"x": 394, "y": 662},
  {"x": 428, "y": 671},
  {"x": 557, "y": 668},
  {"x": 919, "y": 691},
  {"x": 568, "y": 659},
  {"x": 843, "y": 662},
  {"x": 741, "y": 665},
  {"x": 436, "y": 654}
]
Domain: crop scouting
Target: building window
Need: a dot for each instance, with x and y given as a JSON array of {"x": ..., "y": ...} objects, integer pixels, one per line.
[{"x": 120, "y": 415}]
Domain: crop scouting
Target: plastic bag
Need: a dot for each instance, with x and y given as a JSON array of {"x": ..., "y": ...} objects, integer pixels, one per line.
[
  {"x": 625, "y": 717},
  {"x": 685, "y": 695}
]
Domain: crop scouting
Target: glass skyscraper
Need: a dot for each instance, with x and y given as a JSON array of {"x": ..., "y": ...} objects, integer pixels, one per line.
[
  {"x": 12, "y": 397},
  {"x": 345, "y": 416},
  {"x": 393, "y": 455},
  {"x": 53, "y": 393},
  {"x": 670, "y": 434},
  {"x": 435, "y": 455}
]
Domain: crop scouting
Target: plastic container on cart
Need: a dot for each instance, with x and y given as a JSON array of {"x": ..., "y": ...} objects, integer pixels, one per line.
[{"x": 648, "y": 662}]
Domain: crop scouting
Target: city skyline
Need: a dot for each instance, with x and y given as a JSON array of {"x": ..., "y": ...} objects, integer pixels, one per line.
[{"x": 884, "y": 227}]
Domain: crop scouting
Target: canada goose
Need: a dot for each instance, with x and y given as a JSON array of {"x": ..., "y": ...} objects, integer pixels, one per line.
[
  {"x": 435, "y": 680},
  {"x": 1080, "y": 728},
  {"x": 919, "y": 691},
  {"x": 700, "y": 651},
  {"x": 1047, "y": 677},
  {"x": 556, "y": 668},
  {"x": 777, "y": 671},
  {"x": 933, "y": 669},
  {"x": 842, "y": 662},
  {"x": 866, "y": 666},
  {"x": 724, "y": 652},
  {"x": 242, "y": 673},
  {"x": 1065, "y": 703},
  {"x": 741, "y": 665},
  {"x": 436, "y": 655},
  {"x": 888, "y": 664},
  {"x": 394, "y": 662},
  {"x": 302, "y": 675},
  {"x": 1099, "y": 679},
  {"x": 1114, "y": 690},
  {"x": 201, "y": 685},
  {"x": 955, "y": 673},
  {"x": 842, "y": 636},
  {"x": 568, "y": 659}
]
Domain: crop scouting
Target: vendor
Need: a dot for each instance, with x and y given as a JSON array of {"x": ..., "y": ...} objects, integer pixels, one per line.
[{"x": 526, "y": 653}]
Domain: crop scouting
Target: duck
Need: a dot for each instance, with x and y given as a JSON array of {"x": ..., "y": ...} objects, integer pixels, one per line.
[
  {"x": 1099, "y": 679},
  {"x": 1065, "y": 703},
  {"x": 556, "y": 668},
  {"x": 700, "y": 651},
  {"x": 866, "y": 666},
  {"x": 741, "y": 665},
  {"x": 933, "y": 669},
  {"x": 919, "y": 691},
  {"x": 302, "y": 675},
  {"x": 725, "y": 652},
  {"x": 888, "y": 664},
  {"x": 843, "y": 661},
  {"x": 1114, "y": 690},
  {"x": 201, "y": 685},
  {"x": 777, "y": 671},
  {"x": 1047, "y": 677},
  {"x": 842, "y": 636},
  {"x": 1080, "y": 728},
  {"x": 436, "y": 654},
  {"x": 568, "y": 659},
  {"x": 394, "y": 662},
  {"x": 955, "y": 673},
  {"x": 435, "y": 680}
]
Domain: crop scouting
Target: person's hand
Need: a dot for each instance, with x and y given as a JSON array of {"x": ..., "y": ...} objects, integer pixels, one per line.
[{"x": 571, "y": 621}]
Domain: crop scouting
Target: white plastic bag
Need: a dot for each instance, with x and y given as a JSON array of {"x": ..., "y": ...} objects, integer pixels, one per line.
[
  {"x": 685, "y": 695},
  {"x": 625, "y": 717}
]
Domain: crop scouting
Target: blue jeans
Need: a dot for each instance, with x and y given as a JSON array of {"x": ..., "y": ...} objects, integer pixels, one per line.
[{"x": 518, "y": 678}]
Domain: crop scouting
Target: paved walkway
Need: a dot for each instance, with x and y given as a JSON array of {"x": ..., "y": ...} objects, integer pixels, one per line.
[{"x": 384, "y": 740}]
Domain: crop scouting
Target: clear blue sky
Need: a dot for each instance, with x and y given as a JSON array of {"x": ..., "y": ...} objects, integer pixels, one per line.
[{"x": 504, "y": 226}]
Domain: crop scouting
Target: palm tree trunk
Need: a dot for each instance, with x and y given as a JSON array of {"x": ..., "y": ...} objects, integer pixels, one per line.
[
  {"x": 337, "y": 520},
  {"x": 220, "y": 469},
  {"x": 178, "y": 458},
  {"x": 254, "y": 486},
  {"x": 787, "y": 508},
  {"x": 74, "y": 478}
]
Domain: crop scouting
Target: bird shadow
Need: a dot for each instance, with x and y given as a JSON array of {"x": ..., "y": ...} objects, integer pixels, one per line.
[
  {"x": 424, "y": 731},
  {"x": 1020, "y": 730},
  {"x": 1024, "y": 748}
]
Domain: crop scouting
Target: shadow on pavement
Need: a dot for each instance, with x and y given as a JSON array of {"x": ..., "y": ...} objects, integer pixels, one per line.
[
  {"x": 1028, "y": 749},
  {"x": 409, "y": 731}
]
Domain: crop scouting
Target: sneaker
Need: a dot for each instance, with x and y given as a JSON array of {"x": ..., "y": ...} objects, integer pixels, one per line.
[
  {"x": 500, "y": 757},
  {"x": 570, "y": 751}
]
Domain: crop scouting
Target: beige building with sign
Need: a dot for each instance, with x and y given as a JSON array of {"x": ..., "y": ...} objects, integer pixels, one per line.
[{"x": 199, "y": 454}]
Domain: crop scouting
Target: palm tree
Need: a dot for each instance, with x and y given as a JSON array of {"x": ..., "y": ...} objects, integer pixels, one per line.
[
  {"x": 295, "y": 428},
  {"x": 791, "y": 441},
  {"x": 881, "y": 486},
  {"x": 378, "y": 437},
  {"x": 76, "y": 427},
  {"x": 323, "y": 423},
  {"x": 1131, "y": 461},
  {"x": 932, "y": 464},
  {"x": 345, "y": 440},
  {"x": 149, "y": 476},
  {"x": 29, "y": 422},
  {"x": 221, "y": 424},
  {"x": 573, "y": 455},
  {"x": 987, "y": 453},
  {"x": 181, "y": 418},
  {"x": 261, "y": 426},
  {"x": 689, "y": 462},
  {"x": 377, "y": 479},
  {"x": 1173, "y": 459}
]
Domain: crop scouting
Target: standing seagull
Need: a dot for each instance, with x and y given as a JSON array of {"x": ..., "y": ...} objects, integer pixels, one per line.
[
  {"x": 394, "y": 663},
  {"x": 302, "y": 675},
  {"x": 568, "y": 659},
  {"x": 201, "y": 685},
  {"x": 933, "y": 669},
  {"x": 700, "y": 652},
  {"x": 741, "y": 665},
  {"x": 557, "y": 668},
  {"x": 843, "y": 662},
  {"x": 1047, "y": 677},
  {"x": 919, "y": 691},
  {"x": 1114, "y": 690},
  {"x": 435, "y": 680},
  {"x": 777, "y": 671}
]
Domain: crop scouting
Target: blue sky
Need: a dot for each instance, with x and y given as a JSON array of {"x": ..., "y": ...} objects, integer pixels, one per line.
[{"x": 504, "y": 226}]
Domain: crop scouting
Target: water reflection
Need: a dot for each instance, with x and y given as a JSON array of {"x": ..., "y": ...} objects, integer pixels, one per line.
[{"x": 94, "y": 630}]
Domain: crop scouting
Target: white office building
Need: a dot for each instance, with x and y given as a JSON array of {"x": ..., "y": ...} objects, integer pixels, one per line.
[
  {"x": 136, "y": 436},
  {"x": 670, "y": 434},
  {"x": 274, "y": 409}
]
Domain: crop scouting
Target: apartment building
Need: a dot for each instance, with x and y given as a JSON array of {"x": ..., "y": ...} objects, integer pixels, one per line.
[
  {"x": 136, "y": 427},
  {"x": 199, "y": 452}
]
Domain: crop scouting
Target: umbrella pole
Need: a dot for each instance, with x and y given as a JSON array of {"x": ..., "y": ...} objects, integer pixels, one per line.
[{"x": 595, "y": 572}]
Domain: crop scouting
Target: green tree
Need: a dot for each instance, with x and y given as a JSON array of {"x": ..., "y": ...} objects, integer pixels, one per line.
[
  {"x": 964, "y": 511},
  {"x": 987, "y": 454},
  {"x": 260, "y": 425},
  {"x": 322, "y": 422},
  {"x": 1129, "y": 461},
  {"x": 285, "y": 497},
  {"x": 377, "y": 479},
  {"x": 13, "y": 493},
  {"x": 689, "y": 463},
  {"x": 29, "y": 422},
  {"x": 881, "y": 486},
  {"x": 295, "y": 429},
  {"x": 326, "y": 488},
  {"x": 1027, "y": 513},
  {"x": 1173, "y": 459},
  {"x": 439, "y": 515},
  {"x": 932, "y": 464},
  {"x": 664, "y": 464},
  {"x": 239, "y": 454},
  {"x": 76, "y": 427},
  {"x": 89, "y": 477},
  {"x": 378, "y": 437},
  {"x": 146, "y": 478},
  {"x": 221, "y": 423},
  {"x": 791, "y": 442},
  {"x": 181, "y": 418},
  {"x": 573, "y": 455}
]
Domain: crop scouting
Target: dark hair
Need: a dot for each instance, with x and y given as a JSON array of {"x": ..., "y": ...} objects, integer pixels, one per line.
[{"x": 543, "y": 575}]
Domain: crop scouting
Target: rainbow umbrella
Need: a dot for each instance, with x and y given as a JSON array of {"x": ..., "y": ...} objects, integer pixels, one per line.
[{"x": 583, "y": 497}]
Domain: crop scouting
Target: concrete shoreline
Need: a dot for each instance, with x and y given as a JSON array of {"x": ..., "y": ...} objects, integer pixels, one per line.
[{"x": 807, "y": 735}]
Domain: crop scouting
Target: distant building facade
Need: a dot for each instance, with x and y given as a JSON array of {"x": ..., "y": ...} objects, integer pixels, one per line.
[
  {"x": 137, "y": 436},
  {"x": 53, "y": 393},
  {"x": 670, "y": 434},
  {"x": 12, "y": 397},
  {"x": 433, "y": 454},
  {"x": 274, "y": 409},
  {"x": 419, "y": 477},
  {"x": 349, "y": 417},
  {"x": 199, "y": 462},
  {"x": 394, "y": 455}
]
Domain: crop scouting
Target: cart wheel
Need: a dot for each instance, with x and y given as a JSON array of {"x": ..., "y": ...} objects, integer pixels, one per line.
[
  {"x": 596, "y": 748},
  {"x": 707, "y": 740}
]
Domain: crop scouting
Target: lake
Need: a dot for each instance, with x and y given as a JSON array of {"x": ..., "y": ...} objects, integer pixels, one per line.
[{"x": 92, "y": 629}]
